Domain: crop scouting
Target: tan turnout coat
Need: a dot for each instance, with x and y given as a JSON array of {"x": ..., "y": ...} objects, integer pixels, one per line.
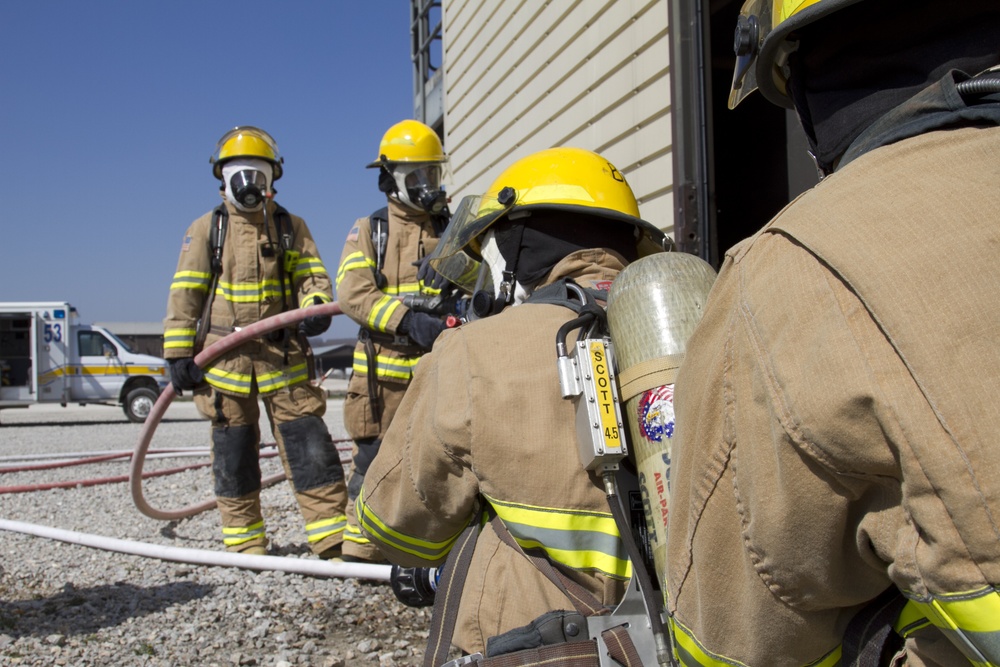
[
  {"x": 484, "y": 422},
  {"x": 837, "y": 426}
]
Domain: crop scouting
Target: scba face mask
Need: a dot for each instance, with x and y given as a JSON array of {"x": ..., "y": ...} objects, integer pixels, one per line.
[
  {"x": 248, "y": 181},
  {"x": 419, "y": 187}
]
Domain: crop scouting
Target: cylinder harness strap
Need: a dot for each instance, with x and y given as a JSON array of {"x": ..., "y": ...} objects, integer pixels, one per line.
[
  {"x": 364, "y": 335},
  {"x": 579, "y": 653},
  {"x": 378, "y": 224},
  {"x": 869, "y": 640},
  {"x": 286, "y": 266},
  {"x": 217, "y": 239},
  {"x": 647, "y": 375}
]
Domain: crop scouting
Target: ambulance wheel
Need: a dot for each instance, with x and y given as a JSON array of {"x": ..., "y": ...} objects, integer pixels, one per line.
[{"x": 139, "y": 403}]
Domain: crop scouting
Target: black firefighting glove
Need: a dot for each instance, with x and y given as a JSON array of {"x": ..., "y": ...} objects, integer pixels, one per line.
[
  {"x": 314, "y": 325},
  {"x": 422, "y": 328},
  {"x": 428, "y": 276},
  {"x": 185, "y": 374}
]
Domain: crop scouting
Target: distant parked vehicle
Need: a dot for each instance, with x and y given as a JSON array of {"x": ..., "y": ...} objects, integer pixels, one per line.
[{"x": 46, "y": 356}]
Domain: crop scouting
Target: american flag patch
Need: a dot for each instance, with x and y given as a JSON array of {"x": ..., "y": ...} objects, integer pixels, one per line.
[
  {"x": 187, "y": 244},
  {"x": 353, "y": 234}
]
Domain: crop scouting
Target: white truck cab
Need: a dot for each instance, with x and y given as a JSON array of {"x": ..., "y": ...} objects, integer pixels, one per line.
[{"x": 46, "y": 356}]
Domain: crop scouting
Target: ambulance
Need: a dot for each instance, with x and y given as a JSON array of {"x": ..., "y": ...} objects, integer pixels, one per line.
[{"x": 47, "y": 356}]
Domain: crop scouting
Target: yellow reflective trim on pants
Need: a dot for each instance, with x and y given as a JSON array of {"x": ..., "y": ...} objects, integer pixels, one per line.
[
  {"x": 320, "y": 530},
  {"x": 234, "y": 535},
  {"x": 354, "y": 535},
  {"x": 971, "y": 620},
  {"x": 377, "y": 529},
  {"x": 689, "y": 652},
  {"x": 581, "y": 540}
]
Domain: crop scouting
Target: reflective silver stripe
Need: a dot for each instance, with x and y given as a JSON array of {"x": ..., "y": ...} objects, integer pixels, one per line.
[
  {"x": 233, "y": 535},
  {"x": 319, "y": 530},
  {"x": 431, "y": 551},
  {"x": 354, "y": 535},
  {"x": 581, "y": 540},
  {"x": 356, "y": 260}
]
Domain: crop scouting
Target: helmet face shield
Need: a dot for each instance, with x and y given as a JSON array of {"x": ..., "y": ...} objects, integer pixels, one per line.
[
  {"x": 764, "y": 39},
  {"x": 752, "y": 26},
  {"x": 457, "y": 255}
]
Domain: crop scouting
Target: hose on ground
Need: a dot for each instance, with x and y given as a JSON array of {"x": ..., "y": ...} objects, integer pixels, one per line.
[
  {"x": 210, "y": 353},
  {"x": 307, "y": 566},
  {"x": 86, "y": 455}
]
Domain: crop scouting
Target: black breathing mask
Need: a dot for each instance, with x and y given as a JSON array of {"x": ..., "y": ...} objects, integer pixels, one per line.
[
  {"x": 423, "y": 187},
  {"x": 432, "y": 201},
  {"x": 248, "y": 186}
]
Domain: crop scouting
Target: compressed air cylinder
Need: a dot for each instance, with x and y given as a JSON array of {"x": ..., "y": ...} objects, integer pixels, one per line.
[{"x": 653, "y": 307}]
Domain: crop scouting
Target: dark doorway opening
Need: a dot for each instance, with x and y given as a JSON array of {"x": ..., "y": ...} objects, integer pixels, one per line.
[{"x": 753, "y": 159}]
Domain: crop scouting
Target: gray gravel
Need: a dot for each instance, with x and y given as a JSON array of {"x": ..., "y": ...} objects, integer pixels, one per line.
[{"x": 67, "y": 604}]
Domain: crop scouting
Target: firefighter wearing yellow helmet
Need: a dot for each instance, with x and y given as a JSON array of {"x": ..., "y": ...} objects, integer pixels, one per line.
[
  {"x": 834, "y": 491},
  {"x": 484, "y": 430},
  {"x": 247, "y": 260},
  {"x": 385, "y": 285}
]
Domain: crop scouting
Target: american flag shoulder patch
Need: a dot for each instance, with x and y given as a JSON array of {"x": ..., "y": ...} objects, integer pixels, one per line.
[
  {"x": 353, "y": 234},
  {"x": 186, "y": 245}
]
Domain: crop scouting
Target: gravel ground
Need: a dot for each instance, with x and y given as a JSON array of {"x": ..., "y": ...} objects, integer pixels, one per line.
[{"x": 67, "y": 604}]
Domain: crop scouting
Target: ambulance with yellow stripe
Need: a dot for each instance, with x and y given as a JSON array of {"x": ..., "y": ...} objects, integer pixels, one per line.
[{"x": 47, "y": 356}]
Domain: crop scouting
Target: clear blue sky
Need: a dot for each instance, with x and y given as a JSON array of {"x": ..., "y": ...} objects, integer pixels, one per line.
[{"x": 111, "y": 109}]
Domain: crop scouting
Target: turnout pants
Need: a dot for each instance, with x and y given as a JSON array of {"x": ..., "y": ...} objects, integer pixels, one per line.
[{"x": 310, "y": 459}]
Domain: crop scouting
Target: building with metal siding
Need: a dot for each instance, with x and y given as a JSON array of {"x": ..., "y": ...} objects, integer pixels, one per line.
[
  {"x": 521, "y": 76},
  {"x": 499, "y": 79}
]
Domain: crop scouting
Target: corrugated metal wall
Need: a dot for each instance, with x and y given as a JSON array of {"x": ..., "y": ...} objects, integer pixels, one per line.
[{"x": 525, "y": 75}]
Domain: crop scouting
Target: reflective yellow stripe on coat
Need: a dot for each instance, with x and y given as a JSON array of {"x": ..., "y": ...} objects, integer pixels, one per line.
[
  {"x": 689, "y": 652},
  {"x": 177, "y": 339},
  {"x": 971, "y": 620},
  {"x": 354, "y": 261},
  {"x": 397, "y": 368},
  {"x": 377, "y": 529},
  {"x": 581, "y": 540},
  {"x": 241, "y": 383}
]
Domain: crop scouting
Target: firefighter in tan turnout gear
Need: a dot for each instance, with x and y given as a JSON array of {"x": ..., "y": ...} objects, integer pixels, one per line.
[
  {"x": 835, "y": 489},
  {"x": 484, "y": 427},
  {"x": 247, "y": 260},
  {"x": 385, "y": 285}
]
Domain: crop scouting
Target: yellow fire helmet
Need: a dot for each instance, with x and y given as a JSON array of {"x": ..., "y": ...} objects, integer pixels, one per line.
[
  {"x": 409, "y": 141},
  {"x": 763, "y": 41},
  {"x": 564, "y": 179},
  {"x": 246, "y": 141}
]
